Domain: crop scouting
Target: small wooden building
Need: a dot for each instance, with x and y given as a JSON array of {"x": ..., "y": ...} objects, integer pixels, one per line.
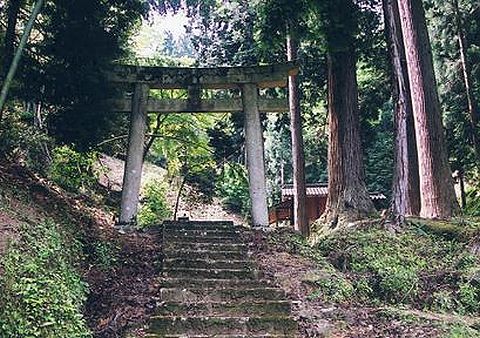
[{"x": 315, "y": 204}]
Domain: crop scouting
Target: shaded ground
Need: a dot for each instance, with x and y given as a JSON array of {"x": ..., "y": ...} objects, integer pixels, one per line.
[
  {"x": 125, "y": 295},
  {"x": 318, "y": 318}
]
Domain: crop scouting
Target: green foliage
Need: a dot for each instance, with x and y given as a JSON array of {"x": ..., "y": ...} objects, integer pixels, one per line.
[
  {"x": 469, "y": 296},
  {"x": 462, "y": 331},
  {"x": 443, "y": 301},
  {"x": 473, "y": 202},
  {"x": 183, "y": 148},
  {"x": 42, "y": 293},
  {"x": 333, "y": 288},
  {"x": 154, "y": 207},
  {"x": 406, "y": 268},
  {"x": 233, "y": 188},
  {"x": 72, "y": 170},
  {"x": 105, "y": 255},
  {"x": 23, "y": 142}
]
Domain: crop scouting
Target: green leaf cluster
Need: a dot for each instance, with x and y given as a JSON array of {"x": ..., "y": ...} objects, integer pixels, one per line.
[
  {"x": 154, "y": 207},
  {"x": 74, "y": 171},
  {"x": 42, "y": 293}
]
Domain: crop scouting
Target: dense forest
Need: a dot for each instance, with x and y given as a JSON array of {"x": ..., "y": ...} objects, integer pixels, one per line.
[{"x": 382, "y": 126}]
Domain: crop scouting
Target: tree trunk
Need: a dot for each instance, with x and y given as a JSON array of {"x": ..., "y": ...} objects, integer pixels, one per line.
[
  {"x": 348, "y": 199},
  {"x": 16, "y": 58},
  {"x": 299, "y": 185},
  {"x": 463, "y": 195},
  {"x": 437, "y": 196},
  {"x": 179, "y": 195},
  {"x": 406, "y": 190},
  {"x": 473, "y": 110},
  {"x": 13, "y": 10}
]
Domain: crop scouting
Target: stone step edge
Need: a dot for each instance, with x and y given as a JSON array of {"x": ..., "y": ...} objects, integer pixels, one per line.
[
  {"x": 219, "y": 281},
  {"x": 216, "y": 319},
  {"x": 224, "y": 289},
  {"x": 206, "y": 260},
  {"x": 153, "y": 335},
  {"x": 216, "y": 271}
]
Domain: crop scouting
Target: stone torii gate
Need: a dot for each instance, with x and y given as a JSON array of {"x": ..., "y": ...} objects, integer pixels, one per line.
[{"x": 248, "y": 79}]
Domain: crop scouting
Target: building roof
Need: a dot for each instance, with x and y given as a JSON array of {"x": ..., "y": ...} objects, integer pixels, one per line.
[{"x": 321, "y": 189}]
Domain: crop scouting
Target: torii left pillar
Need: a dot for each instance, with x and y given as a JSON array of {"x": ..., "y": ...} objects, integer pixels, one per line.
[
  {"x": 132, "y": 178},
  {"x": 255, "y": 155}
]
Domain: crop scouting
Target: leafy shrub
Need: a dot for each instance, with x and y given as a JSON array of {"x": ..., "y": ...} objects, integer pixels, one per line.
[
  {"x": 469, "y": 297},
  {"x": 24, "y": 143},
  {"x": 154, "y": 208},
  {"x": 233, "y": 188},
  {"x": 74, "y": 171},
  {"x": 42, "y": 294}
]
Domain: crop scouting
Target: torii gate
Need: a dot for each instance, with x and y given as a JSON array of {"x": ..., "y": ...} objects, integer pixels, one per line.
[{"x": 247, "y": 79}]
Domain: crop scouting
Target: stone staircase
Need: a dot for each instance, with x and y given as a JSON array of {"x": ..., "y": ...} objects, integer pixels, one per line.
[{"x": 210, "y": 287}]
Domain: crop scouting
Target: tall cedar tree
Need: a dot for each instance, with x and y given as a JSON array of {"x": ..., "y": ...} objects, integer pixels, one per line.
[
  {"x": 299, "y": 184},
  {"x": 437, "y": 195},
  {"x": 406, "y": 190},
  {"x": 348, "y": 198}
]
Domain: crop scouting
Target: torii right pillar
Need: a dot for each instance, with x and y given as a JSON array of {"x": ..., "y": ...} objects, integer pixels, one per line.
[{"x": 255, "y": 155}]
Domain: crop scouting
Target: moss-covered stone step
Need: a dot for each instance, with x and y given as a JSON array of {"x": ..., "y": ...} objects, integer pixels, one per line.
[
  {"x": 250, "y": 335},
  {"x": 206, "y": 254},
  {"x": 214, "y": 283},
  {"x": 179, "y": 272},
  {"x": 210, "y": 309},
  {"x": 169, "y": 232},
  {"x": 192, "y": 262},
  {"x": 214, "y": 326},
  {"x": 201, "y": 246},
  {"x": 200, "y": 239},
  {"x": 198, "y": 225},
  {"x": 180, "y": 295}
]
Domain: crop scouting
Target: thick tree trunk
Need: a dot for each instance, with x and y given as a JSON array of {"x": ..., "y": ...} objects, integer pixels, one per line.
[
  {"x": 406, "y": 190},
  {"x": 299, "y": 185},
  {"x": 474, "y": 112},
  {"x": 436, "y": 185},
  {"x": 13, "y": 10},
  {"x": 348, "y": 198}
]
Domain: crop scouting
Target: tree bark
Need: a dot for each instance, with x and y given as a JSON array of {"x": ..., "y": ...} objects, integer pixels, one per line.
[
  {"x": 13, "y": 10},
  {"x": 473, "y": 110},
  {"x": 299, "y": 185},
  {"x": 437, "y": 196},
  {"x": 348, "y": 199},
  {"x": 406, "y": 189}
]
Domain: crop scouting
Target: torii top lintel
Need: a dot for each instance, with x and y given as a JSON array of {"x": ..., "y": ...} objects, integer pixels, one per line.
[{"x": 270, "y": 76}]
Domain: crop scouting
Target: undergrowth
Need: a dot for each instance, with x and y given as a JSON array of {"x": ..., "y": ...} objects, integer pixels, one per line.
[
  {"x": 418, "y": 267},
  {"x": 423, "y": 267},
  {"x": 42, "y": 292},
  {"x": 154, "y": 206}
]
